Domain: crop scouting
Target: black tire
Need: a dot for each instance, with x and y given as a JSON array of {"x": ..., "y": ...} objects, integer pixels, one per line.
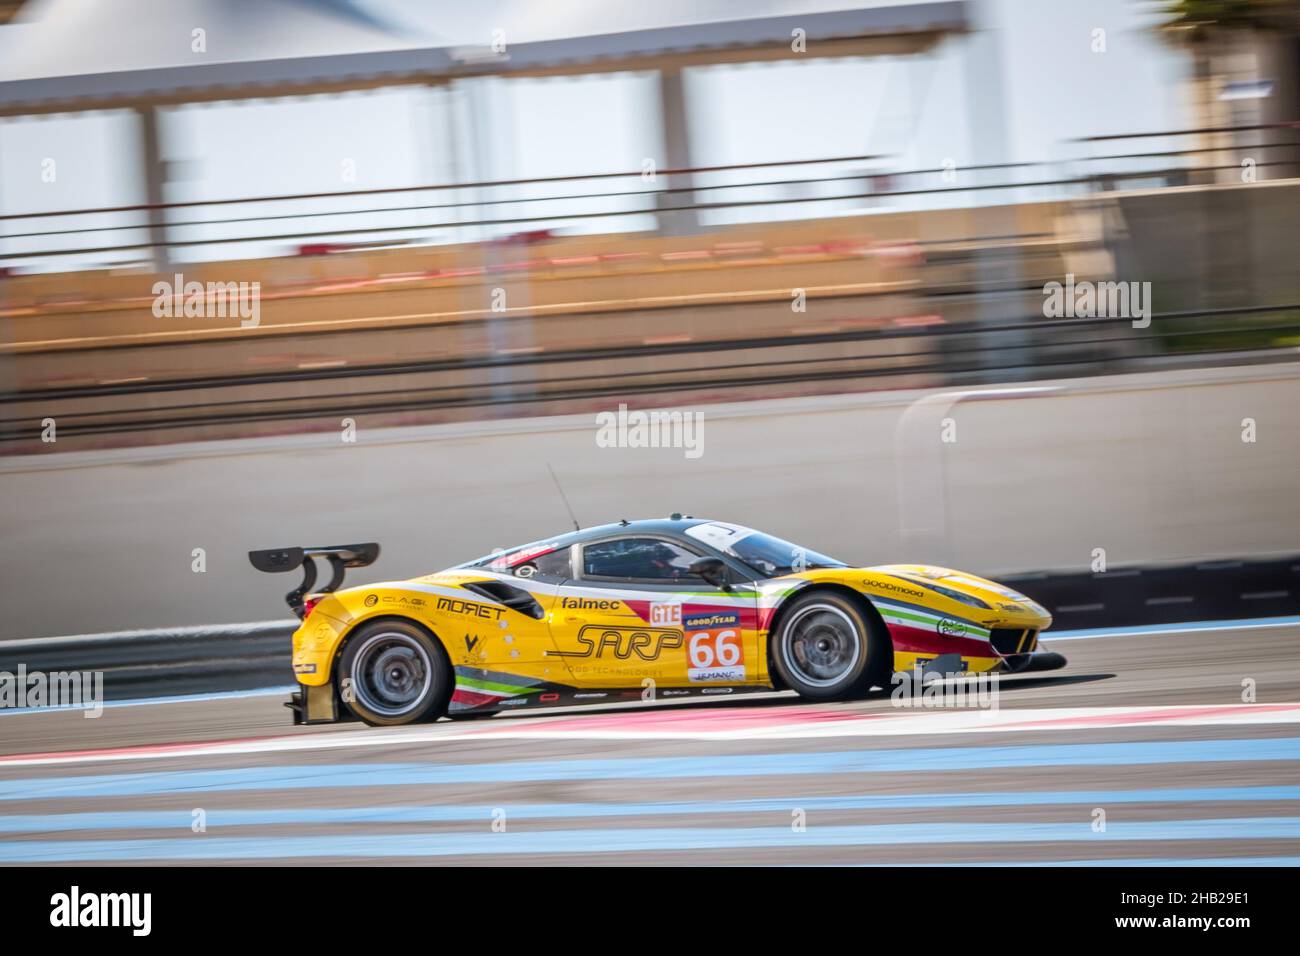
[
  {"x": 393, "y": 672},
  {"x": 826, "y": 647}
]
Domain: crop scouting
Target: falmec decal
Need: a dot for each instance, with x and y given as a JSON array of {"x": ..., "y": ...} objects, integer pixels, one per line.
[{"x": 589, "y": 604}]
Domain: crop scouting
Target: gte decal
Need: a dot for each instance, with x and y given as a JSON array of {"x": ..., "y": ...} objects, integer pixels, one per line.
[
  {"x": 596, "y": 640},
  {"x": 666, "y": 615}
]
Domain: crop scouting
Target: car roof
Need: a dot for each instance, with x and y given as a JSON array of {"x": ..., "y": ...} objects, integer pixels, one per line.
[{"x": 674, "y": 526}]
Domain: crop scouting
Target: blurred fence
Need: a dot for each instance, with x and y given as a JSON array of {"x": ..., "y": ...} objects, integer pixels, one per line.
[
  {"x": 405, "y": 330},
  {"x": 671, "y": 200},
  {"x": 869, "y": 353}
]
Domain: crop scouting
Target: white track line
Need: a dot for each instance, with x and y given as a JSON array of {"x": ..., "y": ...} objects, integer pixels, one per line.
[{"x": 712, "y": 725}]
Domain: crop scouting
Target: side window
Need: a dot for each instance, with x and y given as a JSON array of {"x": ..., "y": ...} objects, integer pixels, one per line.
[
  {"x": 642, "y": 558},
  {"x": 553, "y": 564}
]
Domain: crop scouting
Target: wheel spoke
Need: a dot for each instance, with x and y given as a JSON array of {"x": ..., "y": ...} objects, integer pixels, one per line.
[
  {"x": 821, "y": 644},
  {"x": 391, "y": 673}
]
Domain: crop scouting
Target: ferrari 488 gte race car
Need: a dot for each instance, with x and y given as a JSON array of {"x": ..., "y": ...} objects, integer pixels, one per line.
[{"x": 636, "y": 610}]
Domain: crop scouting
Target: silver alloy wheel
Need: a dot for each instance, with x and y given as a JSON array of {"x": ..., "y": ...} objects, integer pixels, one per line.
[
  {"x": 391, "y": 673},
  {"x": 821, "y": 644}
]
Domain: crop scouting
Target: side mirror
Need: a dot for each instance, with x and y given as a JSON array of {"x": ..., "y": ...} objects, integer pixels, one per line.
[{"x": 713, "y": 570}]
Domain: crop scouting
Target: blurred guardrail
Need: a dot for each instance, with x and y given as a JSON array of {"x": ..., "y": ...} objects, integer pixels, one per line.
[
  {"x": 617, "y": 201},
  {"x": 235, "y": 657},
  {"x": 1138, "y": 596},
  {"x": 534, "y": 322},
  {"x": 1236, "y": 153},
  {"x": 167, "y": 662},
  {"x": 880, "y": 352}
]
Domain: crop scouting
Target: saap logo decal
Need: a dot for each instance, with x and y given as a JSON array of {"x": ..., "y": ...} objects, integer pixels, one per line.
[{"x": 597, "y": 640}]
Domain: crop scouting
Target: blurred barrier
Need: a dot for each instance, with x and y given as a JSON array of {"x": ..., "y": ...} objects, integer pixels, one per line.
[
  {"x": 856, "y": 351},
  {"x": 167, "y": 662},
  {"x": 909, "y": 290},
  {"x": 234, "y": 657},
  {"x": 1137, "y": 596},
  {"x": 1229, "y": 154},
  {"x": 1159, "y": 467}
]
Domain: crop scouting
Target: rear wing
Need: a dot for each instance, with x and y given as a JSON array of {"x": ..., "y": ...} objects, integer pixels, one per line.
[{"x": 340, "y": 556}]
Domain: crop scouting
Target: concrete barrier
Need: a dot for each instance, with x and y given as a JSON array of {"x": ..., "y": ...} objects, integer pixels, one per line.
[
  {"x": 166, "y": 662},
  {"x": 1150, "y": 469}
]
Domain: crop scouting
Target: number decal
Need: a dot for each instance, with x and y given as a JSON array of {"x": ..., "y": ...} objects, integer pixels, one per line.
[{"x": 714, "y": 649}]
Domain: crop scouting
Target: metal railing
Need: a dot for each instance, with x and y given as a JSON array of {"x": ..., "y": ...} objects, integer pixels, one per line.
[
  {"x": 287, "y": 224},
  {"x": 1041, "y": 348}
]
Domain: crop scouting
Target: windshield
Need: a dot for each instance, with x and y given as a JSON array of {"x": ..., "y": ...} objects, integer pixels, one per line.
[{"x": 769, "y": 556}]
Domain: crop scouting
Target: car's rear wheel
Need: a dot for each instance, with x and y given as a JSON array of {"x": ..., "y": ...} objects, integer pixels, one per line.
[
  {"x": 826, "y": 648},
  {"x": 393, "y": 672}
]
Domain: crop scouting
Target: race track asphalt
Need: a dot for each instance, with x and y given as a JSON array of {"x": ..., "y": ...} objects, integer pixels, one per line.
[{"x": 1141, "y": 750}]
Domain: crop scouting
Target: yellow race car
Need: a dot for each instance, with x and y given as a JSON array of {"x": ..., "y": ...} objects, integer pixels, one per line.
[{"x": 637, "y": 610}]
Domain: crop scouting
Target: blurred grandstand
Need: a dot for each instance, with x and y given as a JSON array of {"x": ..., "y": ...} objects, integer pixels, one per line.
[{"x": 458, "y": 289}]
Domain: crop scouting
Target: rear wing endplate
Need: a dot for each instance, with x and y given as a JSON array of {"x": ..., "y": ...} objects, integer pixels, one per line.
[{"x": 340, "y": 556}]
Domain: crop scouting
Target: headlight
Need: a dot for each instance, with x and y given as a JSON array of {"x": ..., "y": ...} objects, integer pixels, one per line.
[{"x": 957, "y": 595}]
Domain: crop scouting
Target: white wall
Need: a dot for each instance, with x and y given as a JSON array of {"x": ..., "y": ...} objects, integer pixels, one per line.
[{"x": 1149, "y": 467}]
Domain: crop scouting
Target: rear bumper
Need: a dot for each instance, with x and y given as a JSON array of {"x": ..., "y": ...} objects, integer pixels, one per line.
[{"x": 315, "y": 705}]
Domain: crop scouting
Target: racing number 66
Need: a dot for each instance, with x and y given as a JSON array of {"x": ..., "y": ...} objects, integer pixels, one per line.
[{"x": 710, "y": 648}]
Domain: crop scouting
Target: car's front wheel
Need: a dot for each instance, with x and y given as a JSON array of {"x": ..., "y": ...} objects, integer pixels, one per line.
[
  {"x": 824, "y": 647},
  {"x": 393, "y": 672}
]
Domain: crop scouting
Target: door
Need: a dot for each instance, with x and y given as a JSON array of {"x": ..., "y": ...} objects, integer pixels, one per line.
[{"x": 635, "y": 617}]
